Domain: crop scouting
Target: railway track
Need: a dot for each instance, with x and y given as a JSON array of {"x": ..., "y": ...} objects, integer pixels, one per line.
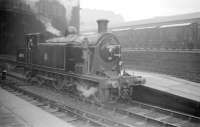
[
  {"x": 77, "y": 117},
  {"x": 134, "y": 114},
  {"x": 147, "y": 114}
]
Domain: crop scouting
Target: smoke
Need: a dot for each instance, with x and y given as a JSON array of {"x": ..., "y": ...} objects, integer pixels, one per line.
[
  {"x": 68, "y": 4},
  {"x": 85, "y": 91},
  {"x": 48, "y": 25},
  {"x": 32, "y": 4}
]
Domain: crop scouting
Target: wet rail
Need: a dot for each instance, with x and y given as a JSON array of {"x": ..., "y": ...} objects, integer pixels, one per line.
[
  {"x": 148, "y": 114},
  {"x": 77, "y": 117},
  {"x": 137, "y": 115}
]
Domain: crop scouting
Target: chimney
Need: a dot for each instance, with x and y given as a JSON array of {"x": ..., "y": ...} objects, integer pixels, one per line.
[{"x": 102, "y": 25}]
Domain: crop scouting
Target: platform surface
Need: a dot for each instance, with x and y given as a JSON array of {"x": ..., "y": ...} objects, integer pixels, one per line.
[
  {"x": 9, "y": 119},
  {"x": 172, "y": 85},
  {"x": 29, "y": 115}
]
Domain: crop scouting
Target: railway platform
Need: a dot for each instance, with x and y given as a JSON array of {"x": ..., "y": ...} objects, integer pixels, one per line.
[
  {"x": 16, "y": 112},
  {"x": 173, "y": 85},
  {"x": 9, "y": 119},
  {"x": 169, "y": 92}
]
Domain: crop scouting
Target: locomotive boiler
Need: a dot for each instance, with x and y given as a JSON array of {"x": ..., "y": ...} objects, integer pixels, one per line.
[{"x": 86, "y": 65}]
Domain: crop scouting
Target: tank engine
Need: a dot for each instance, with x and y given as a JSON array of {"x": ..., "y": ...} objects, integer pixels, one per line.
[{"x": 89, "y": 66}]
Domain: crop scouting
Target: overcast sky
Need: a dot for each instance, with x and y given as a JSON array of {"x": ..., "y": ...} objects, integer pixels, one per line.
[{"x": 141, "y": 9}]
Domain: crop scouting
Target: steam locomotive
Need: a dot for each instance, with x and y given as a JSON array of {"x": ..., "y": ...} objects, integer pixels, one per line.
[{"x": 89, "y": 66}]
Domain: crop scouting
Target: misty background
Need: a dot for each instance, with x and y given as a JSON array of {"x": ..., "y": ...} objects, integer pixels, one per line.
[{"x": 121, "y": 11}]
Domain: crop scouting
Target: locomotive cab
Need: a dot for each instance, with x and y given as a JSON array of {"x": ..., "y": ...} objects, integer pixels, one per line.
[{"x": 31, "y": 42}]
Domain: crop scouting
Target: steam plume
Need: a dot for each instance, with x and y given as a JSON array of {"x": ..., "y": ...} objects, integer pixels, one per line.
[
  {"x": 48, "y": 25},
  {"x": 68, "y": 4},
  {"x": 86, "y": 92}
]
